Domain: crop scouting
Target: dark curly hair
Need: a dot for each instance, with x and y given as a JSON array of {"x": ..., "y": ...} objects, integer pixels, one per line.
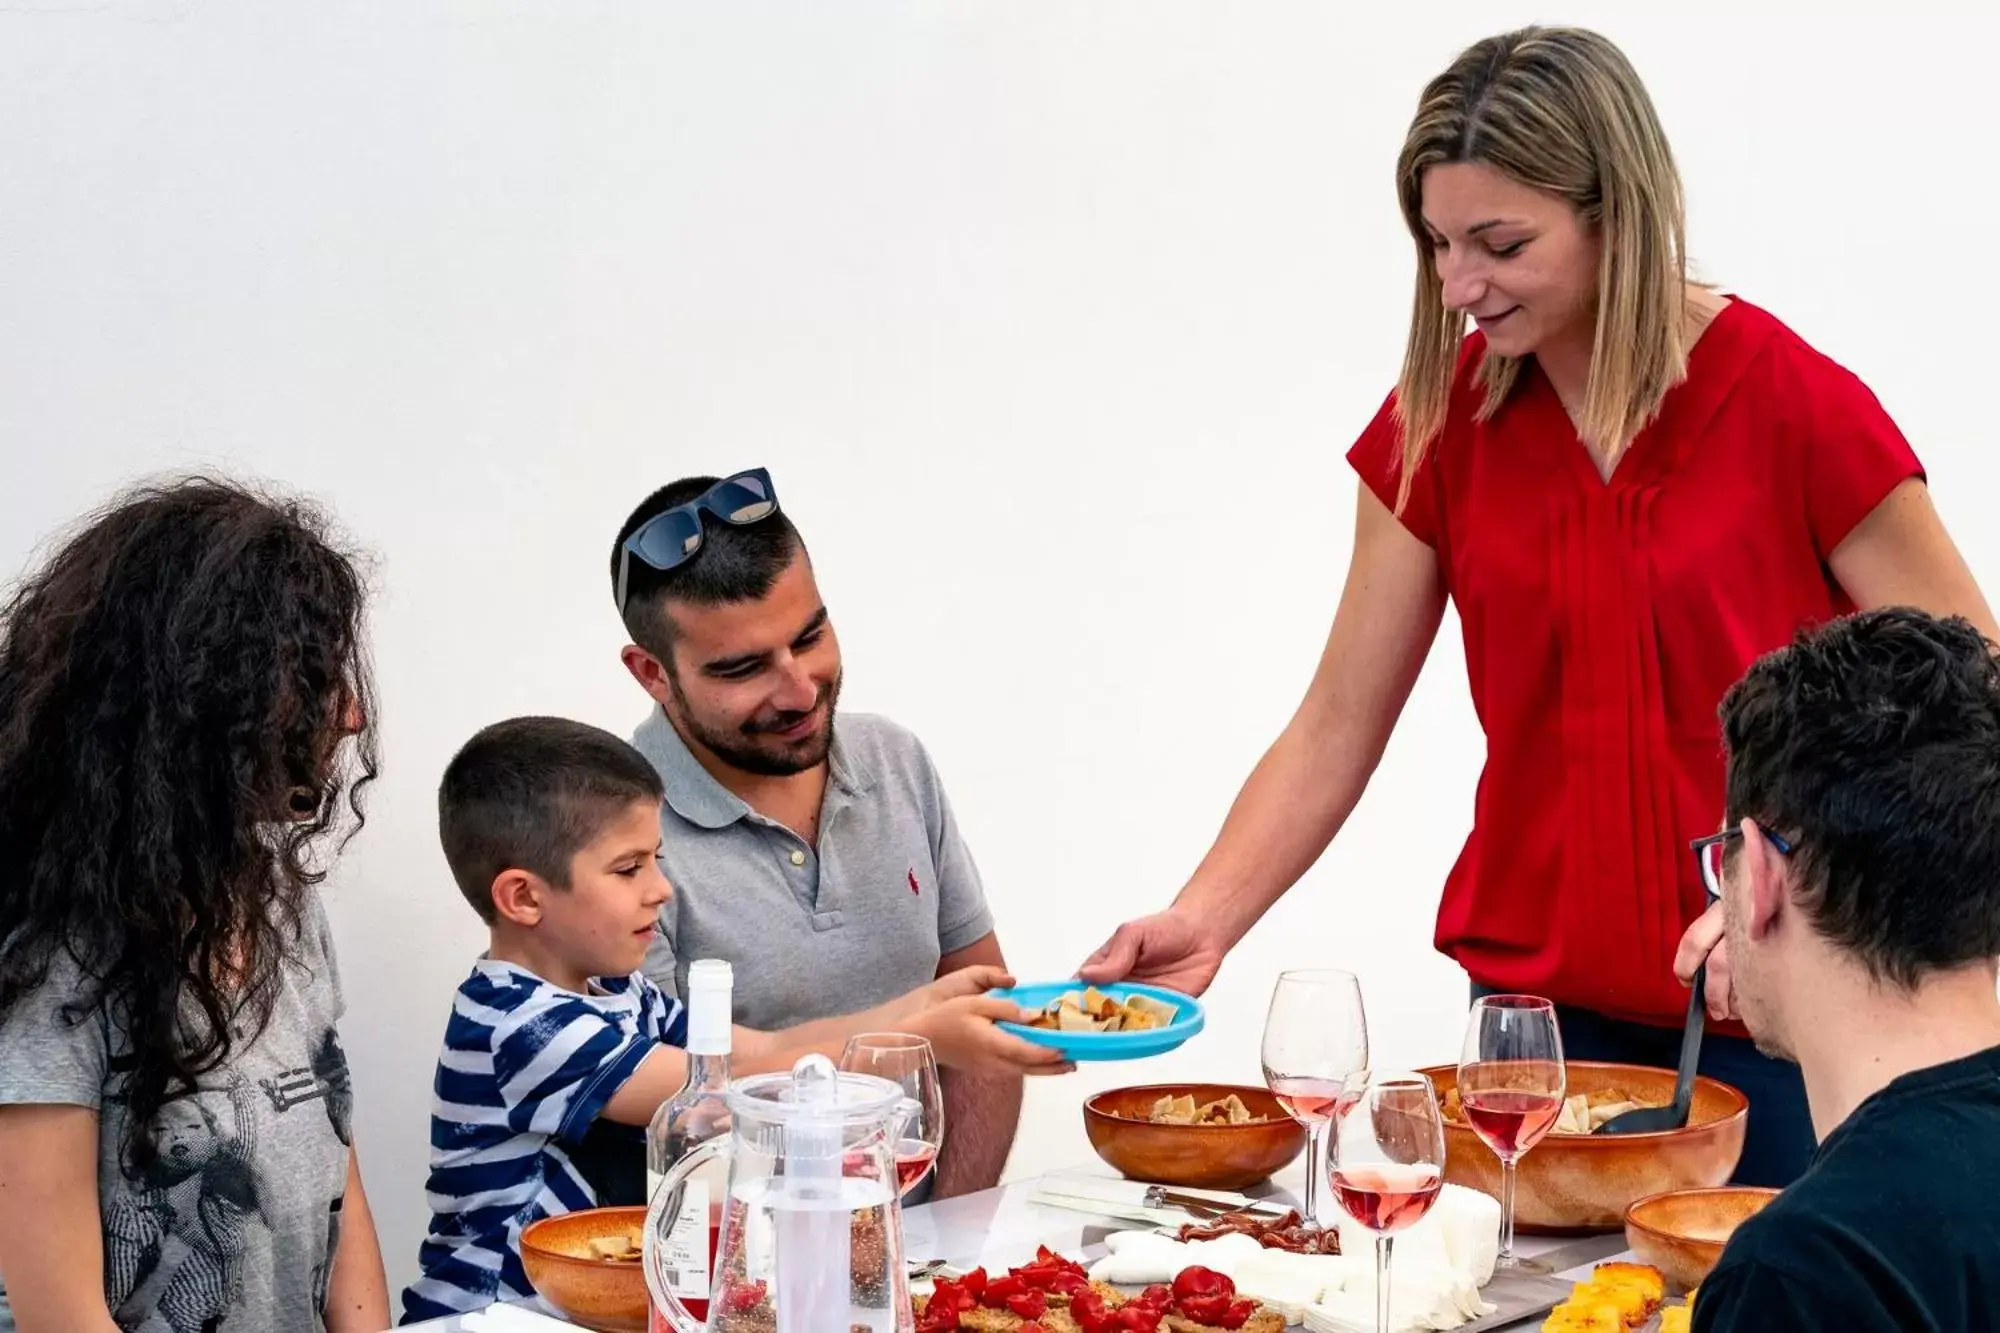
[
  {"x": 176, "y": 681},
  {"x": 1873, "y": 744}
]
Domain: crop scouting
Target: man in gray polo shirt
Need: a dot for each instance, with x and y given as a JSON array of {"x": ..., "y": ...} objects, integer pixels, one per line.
[{"x": 815, "y": 851}]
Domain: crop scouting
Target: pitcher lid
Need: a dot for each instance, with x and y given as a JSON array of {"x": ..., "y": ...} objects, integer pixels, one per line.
[{"x": 814, "y": 1088}]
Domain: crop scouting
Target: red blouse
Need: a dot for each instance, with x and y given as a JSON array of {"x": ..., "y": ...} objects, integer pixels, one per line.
[{"x": 1603, "y": 623}]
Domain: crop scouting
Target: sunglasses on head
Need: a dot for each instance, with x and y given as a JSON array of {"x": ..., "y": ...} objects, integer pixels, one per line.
[{"x": 671, "y": 537}]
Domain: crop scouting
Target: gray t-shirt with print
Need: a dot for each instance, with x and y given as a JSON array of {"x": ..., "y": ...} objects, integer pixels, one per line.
[{"x": 233, "y": 1228}]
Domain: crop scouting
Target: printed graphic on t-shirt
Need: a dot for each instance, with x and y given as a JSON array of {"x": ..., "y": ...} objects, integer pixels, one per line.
[
  {"x": 175, "y": 1238},
  {"x": 326, "y": 1079}
]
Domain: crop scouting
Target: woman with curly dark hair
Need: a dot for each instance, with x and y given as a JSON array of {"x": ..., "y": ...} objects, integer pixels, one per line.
[{"x": 183, "y": 728}]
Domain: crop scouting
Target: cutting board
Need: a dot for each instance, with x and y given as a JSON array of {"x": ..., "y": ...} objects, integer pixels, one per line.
[
  {"x": 1526, "y": 1299},
  {"x": 1523, "y": 1299}
]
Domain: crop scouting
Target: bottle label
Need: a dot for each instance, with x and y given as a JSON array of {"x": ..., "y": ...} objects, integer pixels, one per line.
[{"x": 684, "y": 1262}]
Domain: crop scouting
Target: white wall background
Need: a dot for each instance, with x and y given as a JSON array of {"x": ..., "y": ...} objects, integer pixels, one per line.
[{"x": 1053, "y": 321}]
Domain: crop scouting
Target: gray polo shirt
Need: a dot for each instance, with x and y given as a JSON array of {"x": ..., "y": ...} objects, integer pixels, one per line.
[{"x": 814, "y": 931}]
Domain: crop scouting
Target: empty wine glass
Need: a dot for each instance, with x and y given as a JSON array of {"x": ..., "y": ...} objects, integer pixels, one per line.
[
  {"x": 909, "y": 1062},
  {"x": 1386, "y": 1161},
  {"x": 1315, "y": 1036},
  {"x": 1511, "y": 1085}
]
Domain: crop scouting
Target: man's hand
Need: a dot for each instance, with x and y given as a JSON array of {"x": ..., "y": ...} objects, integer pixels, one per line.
[
  {"x": 1165, "y": 949},
  {"x": 1704, "y": 941},
  {"x": 963, "y": 1034},
  {"x": 984, "y": 1113}
]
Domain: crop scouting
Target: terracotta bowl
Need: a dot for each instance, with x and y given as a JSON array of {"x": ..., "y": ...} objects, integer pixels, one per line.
[
  {"x": 602, "y": 1294},
  {"x": 1682, "y": 1232},
  {"x": 1211, "y": 1157},
  {"x": 1581, "y": 1184}
]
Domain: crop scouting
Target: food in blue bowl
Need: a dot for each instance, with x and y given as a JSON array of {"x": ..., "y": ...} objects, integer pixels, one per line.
[{"x": 1120, "y": 1021}]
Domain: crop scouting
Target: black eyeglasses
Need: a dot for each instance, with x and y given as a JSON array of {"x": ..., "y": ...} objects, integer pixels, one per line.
[
  {"x": 672, "y": 536},
  {"x": 1708, "y": 854}
]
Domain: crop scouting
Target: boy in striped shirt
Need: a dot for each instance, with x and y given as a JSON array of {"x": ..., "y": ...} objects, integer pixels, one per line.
[{"x": 558, "y": 1050}]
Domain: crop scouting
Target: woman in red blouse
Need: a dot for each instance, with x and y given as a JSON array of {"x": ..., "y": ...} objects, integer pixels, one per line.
[{"x": 1630, "y": 486}]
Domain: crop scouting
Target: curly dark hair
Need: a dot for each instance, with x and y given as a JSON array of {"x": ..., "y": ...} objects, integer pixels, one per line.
[
  {"x": 176, "y": 681},
  {"x": 1872, "y": 743}
]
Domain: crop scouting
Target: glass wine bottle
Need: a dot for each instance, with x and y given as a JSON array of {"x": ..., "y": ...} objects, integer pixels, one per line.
[{"x": 683, "y": 1123}]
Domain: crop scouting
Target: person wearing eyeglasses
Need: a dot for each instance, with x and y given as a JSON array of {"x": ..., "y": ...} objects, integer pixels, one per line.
[
  {"x": 814, "y": 850},
  {"x": 1628, "y": 485},
  {"x": 1859, "y": 874}
]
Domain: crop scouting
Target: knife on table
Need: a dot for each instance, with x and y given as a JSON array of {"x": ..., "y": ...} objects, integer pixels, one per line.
[{"x": 1159, "y": 1196}]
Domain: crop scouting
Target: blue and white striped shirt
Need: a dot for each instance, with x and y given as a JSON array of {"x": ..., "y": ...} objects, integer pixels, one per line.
[{"x": 515, "y": 1136}]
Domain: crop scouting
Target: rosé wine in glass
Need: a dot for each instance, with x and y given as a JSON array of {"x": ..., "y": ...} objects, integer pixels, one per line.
[
  {"x": 1315, "y": 1035},
  {"x": 1386, "y": 1163},
  {"x": 1510, "y": 1090}
]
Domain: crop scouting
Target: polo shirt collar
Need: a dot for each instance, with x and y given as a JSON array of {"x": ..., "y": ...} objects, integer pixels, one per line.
[
  {"x": 695, "y": 795},
  {"x": 849, "y": 777}
]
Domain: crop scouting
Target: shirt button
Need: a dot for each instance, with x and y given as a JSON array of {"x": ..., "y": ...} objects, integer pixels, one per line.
[{"x": 798, "y": 858}]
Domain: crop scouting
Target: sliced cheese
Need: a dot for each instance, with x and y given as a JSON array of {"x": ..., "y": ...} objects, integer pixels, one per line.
[
  {"x": 1461, "y": 1231},
  {"x": 1139, "y": 1258},
  {"x": 1421, "y": 1296},
  {"x": 1440, "y": 1265},
  {"x": 1290, "y": 1282}
]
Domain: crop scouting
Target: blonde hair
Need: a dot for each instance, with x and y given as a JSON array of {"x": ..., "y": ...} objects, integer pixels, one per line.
[{"x": 1560, "y": 110}]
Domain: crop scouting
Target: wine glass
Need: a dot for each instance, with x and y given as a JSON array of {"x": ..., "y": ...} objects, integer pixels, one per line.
[
  {"x": 910, "y": 1063},
  {"x": 1386, "y": 1161},
  {"x": 1511, "y": 1085},
  {"x": 1315, "y": 1036}
]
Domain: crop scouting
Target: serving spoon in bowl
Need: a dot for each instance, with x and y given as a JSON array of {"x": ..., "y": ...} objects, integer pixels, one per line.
[{"x": 1652, "y": 1119}]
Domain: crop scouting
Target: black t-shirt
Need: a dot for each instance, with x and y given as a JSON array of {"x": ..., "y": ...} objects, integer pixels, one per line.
[{"x": 1895, "y": 1227}]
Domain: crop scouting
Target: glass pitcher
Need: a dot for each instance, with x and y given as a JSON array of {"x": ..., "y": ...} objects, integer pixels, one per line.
[{"x": 811, "y": 1237}]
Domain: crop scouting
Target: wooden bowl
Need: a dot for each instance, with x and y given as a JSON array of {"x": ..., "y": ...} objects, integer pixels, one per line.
[
  {"x": 1212, "y": 1157},
  {"x": 602, "y": 1294},
  {"x": 1581, "y": 1184},
  {"x": 1682, "y": 1232}
]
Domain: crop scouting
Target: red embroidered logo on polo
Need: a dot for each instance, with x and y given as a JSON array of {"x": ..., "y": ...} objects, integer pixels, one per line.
[{"x": 913, "y": 881}]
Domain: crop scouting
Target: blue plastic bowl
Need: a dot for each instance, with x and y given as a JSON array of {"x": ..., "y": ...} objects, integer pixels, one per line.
[{"x": 1188, "y": 1020}]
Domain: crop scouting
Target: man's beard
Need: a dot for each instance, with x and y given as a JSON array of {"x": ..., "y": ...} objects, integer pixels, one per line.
[{"x": 751, "y": 747}]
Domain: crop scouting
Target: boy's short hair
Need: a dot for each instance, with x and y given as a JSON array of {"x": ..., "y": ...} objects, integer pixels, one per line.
[{"x": 529, "y": 794}]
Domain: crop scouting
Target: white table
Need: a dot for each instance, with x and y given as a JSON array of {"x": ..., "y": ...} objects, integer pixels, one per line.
[{"x": 1000, "y": 1227}]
